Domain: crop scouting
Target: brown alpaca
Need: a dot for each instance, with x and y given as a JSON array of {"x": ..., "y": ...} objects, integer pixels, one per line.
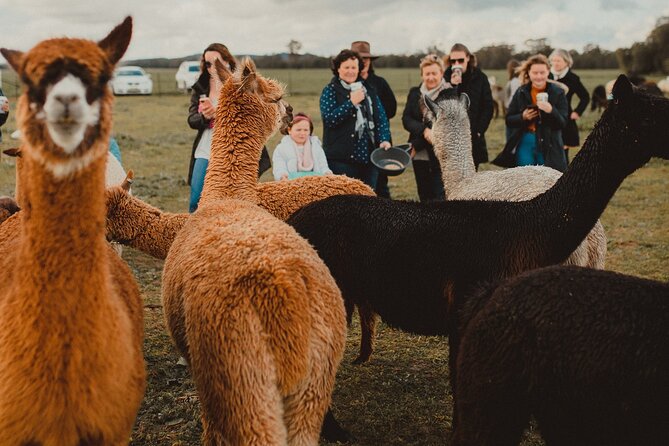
[
  {"x": 248, "y": 302},
  {"x": 133, "y": 222},
  {"x": 70, "y": 311}
]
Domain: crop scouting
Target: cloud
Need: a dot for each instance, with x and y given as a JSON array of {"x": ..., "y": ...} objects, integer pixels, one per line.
[{"x": 174, "y": 28}]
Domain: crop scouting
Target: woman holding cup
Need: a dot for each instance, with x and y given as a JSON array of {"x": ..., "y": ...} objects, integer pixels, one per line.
[
  {"x": 537, "y": 114},
  {"x": 464, "y": 74},
  {"x": 205, "y": 92}
]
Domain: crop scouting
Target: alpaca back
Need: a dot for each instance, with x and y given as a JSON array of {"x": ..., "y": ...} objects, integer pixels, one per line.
[
  {"x": 584, "y": 351},
  {"x": 245, "y": 285}
]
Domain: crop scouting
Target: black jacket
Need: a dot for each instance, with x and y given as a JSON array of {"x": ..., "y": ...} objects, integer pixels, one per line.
[
  {"x": 414, "y": 123},
  {"x": 197, "y": 121},
  {"x": 339, "y": 138},
  {"x": 548, "y": 131},
  {"x": 475, "y": 84},
  {"x": 3, "y": 116},
  {"x": 384, "y": 92},
  {"x": 576, "y": 87}
]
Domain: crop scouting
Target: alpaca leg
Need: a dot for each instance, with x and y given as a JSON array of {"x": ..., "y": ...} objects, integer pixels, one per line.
[
  {"x": 368, "y": 331},
  {"x": 305, "y": 409},
  {"x": 233, "y": 370},
  {"x": 332, "y": 431}
]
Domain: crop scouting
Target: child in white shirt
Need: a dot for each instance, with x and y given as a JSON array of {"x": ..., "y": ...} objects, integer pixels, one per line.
[{"x": 299, "y": 153}]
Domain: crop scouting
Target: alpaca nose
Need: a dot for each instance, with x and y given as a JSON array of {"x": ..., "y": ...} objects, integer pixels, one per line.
[{"x": 66, "y": 99}]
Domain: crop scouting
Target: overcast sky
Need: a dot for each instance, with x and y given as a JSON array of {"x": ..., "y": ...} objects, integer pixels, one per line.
[{"x": 175, "y": 28}]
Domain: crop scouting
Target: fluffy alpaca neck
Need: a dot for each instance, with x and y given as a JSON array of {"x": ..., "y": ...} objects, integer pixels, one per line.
[
  {"x": 453, "y": 149},
  {"x": 63, "y": 247},
  {"x": 235, "y": 150}
]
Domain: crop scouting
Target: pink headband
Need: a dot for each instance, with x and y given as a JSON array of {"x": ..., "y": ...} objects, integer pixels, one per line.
[{"x": 297, "y": 119}]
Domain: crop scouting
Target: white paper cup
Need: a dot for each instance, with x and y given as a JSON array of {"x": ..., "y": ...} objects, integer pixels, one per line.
[{"x": 542, "y": 97}]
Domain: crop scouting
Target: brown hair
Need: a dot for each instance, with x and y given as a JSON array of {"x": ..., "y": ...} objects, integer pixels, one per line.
[
  {"x": 302, "y": 117},
  {"x": 512, "y": 68},
  {"x": 524, "y": 69},
  {"x": 460, "y": 47},
  {"x": 343, "y": 56},
  {"x": 431, "y": 59},
  {"x": 225, "y": 55}
]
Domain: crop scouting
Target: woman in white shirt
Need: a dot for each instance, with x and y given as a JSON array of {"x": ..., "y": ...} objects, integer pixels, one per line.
[{"x": 299, "y": 153}]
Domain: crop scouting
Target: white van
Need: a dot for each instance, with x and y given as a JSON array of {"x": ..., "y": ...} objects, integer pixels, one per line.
[{"x": 187, "y": 74}]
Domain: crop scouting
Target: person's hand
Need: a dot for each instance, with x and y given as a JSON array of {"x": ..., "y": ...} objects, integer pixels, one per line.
[
  {"x": 427, "y": 134},
  {"x": 530, "y": 114},
  {"x": 5, "y": 107},
  {"x": 283, "y": 177},
  {"x": 574, "y": 116},
  {"x": 207, "y": 108},
  {"x": 385, "y": 145},
  {"x": 545, "y": 106},
  {"x": 357, "y": 96},
  {"x": 412, "y": 152}
]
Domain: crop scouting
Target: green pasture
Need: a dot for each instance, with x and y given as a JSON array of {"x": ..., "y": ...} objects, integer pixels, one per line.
[{"x": 402, "y": 396}]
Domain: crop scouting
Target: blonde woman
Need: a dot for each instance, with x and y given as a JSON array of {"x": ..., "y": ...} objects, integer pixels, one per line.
[
  {"x": 425, "y": 165},
  {"x": 537, "y": 114}
]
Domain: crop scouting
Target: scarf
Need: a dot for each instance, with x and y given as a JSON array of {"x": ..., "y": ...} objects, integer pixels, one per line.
[
  {"x": 305, "y": 161},
  {"x": 432, "y": 94},
  {"x": 362, "y": 120},
  {"x": 557, "y": 75}
]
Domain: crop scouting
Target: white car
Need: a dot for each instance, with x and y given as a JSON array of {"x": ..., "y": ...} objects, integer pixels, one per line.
[
  {"x": 187, "y": 74},
  {"x": 131, "y": 80}
]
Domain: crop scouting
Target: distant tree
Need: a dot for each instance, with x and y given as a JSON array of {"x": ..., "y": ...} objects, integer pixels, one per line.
[
  {"x": 435, "y": 49},
  {"x": 539, "y": 46},
  {"x": 658, "y": 44},
  {"x": 494, "y": 56},
  {"x": 294, "y": 46}
]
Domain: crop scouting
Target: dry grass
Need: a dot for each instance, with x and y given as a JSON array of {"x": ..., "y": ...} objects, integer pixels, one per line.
[{"x": 402, "y": 396}]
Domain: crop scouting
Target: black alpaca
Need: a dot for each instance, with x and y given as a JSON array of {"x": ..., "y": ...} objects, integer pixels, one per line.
[
  {"x": 411, "y": 262},
  {"x": 598, "y": 101},
  {"x": 586, "y": 352}
]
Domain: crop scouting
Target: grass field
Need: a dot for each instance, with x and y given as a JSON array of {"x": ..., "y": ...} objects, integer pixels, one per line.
[{"x": 402, "y": 396}]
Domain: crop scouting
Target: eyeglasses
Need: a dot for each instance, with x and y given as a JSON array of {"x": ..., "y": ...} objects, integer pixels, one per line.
[{"x": 460, "y": 60}]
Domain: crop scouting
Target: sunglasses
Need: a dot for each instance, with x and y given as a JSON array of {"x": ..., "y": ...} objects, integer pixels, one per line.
[
  {"x": 207, "y": 64},
  {"x": 460, "y": 60}
]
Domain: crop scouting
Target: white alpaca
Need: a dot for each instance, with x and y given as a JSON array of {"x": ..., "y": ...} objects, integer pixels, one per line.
[{"x": 453, "y": 148}]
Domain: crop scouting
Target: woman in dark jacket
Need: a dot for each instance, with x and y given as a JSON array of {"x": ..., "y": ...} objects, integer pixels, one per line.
[
  {"x": 201, "y": 118},
  {"x": 537, "y": 113},
  {"x": 4, "y": 111},
  {"x": 425, "y": 165},
  {"x": 561, "y": 63},
  {"x": 385, "y": 94},
  {"x": 354, "y": 121},
  {"x": 462, "y": 72}
]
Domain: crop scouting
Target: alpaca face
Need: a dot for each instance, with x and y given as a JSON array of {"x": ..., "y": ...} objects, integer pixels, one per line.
[
  {"x": 66, "y": 105},
  {"x": 448, "y": 114},
  {"x": 67, "y": 113},
  {"x": 641, "y": 118}
]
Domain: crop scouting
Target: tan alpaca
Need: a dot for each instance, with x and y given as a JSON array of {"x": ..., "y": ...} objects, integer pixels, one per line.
[
  {"x": 70, "y": 311},
  {"x": 248, "y": 302},
  {"x": 133, "y": 222}
]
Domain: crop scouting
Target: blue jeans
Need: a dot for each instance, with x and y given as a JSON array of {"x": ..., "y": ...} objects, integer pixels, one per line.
[
  {"x": 527, "y": 152},
  {"x": 367, "y": 173},
  {"x": 197, "y": 182}
]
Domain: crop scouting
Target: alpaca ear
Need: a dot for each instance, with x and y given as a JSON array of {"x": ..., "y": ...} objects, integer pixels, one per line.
[
  {"x": 464, "y": 99},
  {"x": 117, "y": 41},
  {"x": 222, "y": 71},
  {"x": 127, "y": 182},
  {"x": 13, "y": 57},
  {"x": 622, "y": 89},
  {"x": 432, "y": 107},
  {"x": 249, "y": 76},
  {"x": 14, "y": 152}
]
